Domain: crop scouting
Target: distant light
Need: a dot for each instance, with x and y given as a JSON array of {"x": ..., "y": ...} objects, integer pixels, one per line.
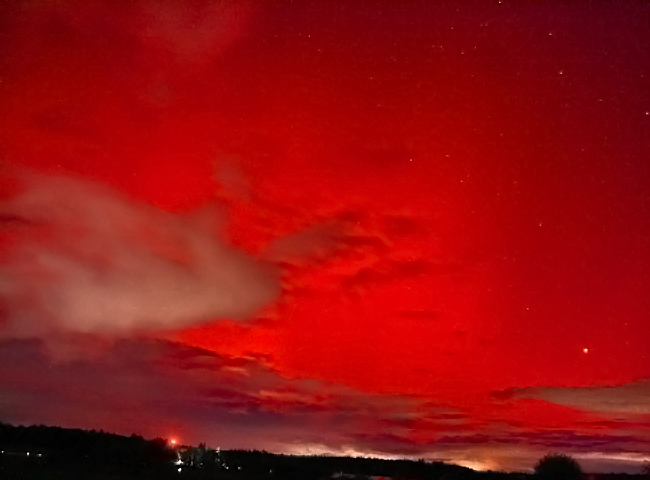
[
  {"x": 173, "y": 441},
  {"x": 179, "y": 469},
  {"x": 28, "y": 454},
  {"x": 585, "y": 350}
]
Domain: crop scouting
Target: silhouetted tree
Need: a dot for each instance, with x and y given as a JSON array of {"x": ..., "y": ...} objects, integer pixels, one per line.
[{"x": 557, "y": 466}]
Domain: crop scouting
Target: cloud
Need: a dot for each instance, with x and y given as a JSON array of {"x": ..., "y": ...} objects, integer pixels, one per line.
[
  {"x": 388, "y": 272},
  {"x": 309, "y": 244},
  {"x": 194, "y": 31},
  {"x": 84, "y": 259},
  {"x": 160, "y": 388},
  {"x": 631, "y": 398},
  {"x": 351, "y": 252},
  {"x": 164, "y": 388},
  {"x": 189, "y": 33}
]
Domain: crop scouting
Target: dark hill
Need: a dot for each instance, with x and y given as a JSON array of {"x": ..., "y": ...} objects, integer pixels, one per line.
[{"x": 37, "y": 452}]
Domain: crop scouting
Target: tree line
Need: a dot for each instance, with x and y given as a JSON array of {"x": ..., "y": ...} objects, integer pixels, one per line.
[
  {"x": 75, "y": 452},
  {"x": 53, "y": 453}
]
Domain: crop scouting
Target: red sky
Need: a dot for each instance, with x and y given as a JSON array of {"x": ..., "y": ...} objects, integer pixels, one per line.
[{"x": 389, "y": 228}]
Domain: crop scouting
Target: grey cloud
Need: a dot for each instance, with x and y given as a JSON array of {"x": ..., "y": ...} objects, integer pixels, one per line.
[
  {"x": 85, "y": 259},
  {"x": 631, "y": 398},
  {"x": 155, "y": 387},
  {"x": 161, "y": 388}
]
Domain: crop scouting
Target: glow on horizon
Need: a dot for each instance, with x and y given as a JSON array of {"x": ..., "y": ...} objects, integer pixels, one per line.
[
  {"x": 480, "y": 460},
  {"x": 631, "y": 457},
  {"x": 319, "y": 449},
  {"x": 478, "y": 465}
]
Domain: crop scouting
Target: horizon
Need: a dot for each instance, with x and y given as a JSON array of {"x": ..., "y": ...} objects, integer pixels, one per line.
[
  {"x": 175, "y": 445},
  {"x": 400, "y": 228}
]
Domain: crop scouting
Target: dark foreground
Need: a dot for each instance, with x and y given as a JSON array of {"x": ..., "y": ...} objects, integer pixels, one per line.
[{"x": 52, "y": 453}]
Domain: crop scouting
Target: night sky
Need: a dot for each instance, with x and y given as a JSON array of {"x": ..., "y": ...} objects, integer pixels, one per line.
[{"x": 389, "y": 228}]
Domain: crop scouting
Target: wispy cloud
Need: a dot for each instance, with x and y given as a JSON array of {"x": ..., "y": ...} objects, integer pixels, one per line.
[
  {"x": 155, "y": 387},
  {"x": 627, "y": 399},
  {"x": 165, "y": 388}
]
